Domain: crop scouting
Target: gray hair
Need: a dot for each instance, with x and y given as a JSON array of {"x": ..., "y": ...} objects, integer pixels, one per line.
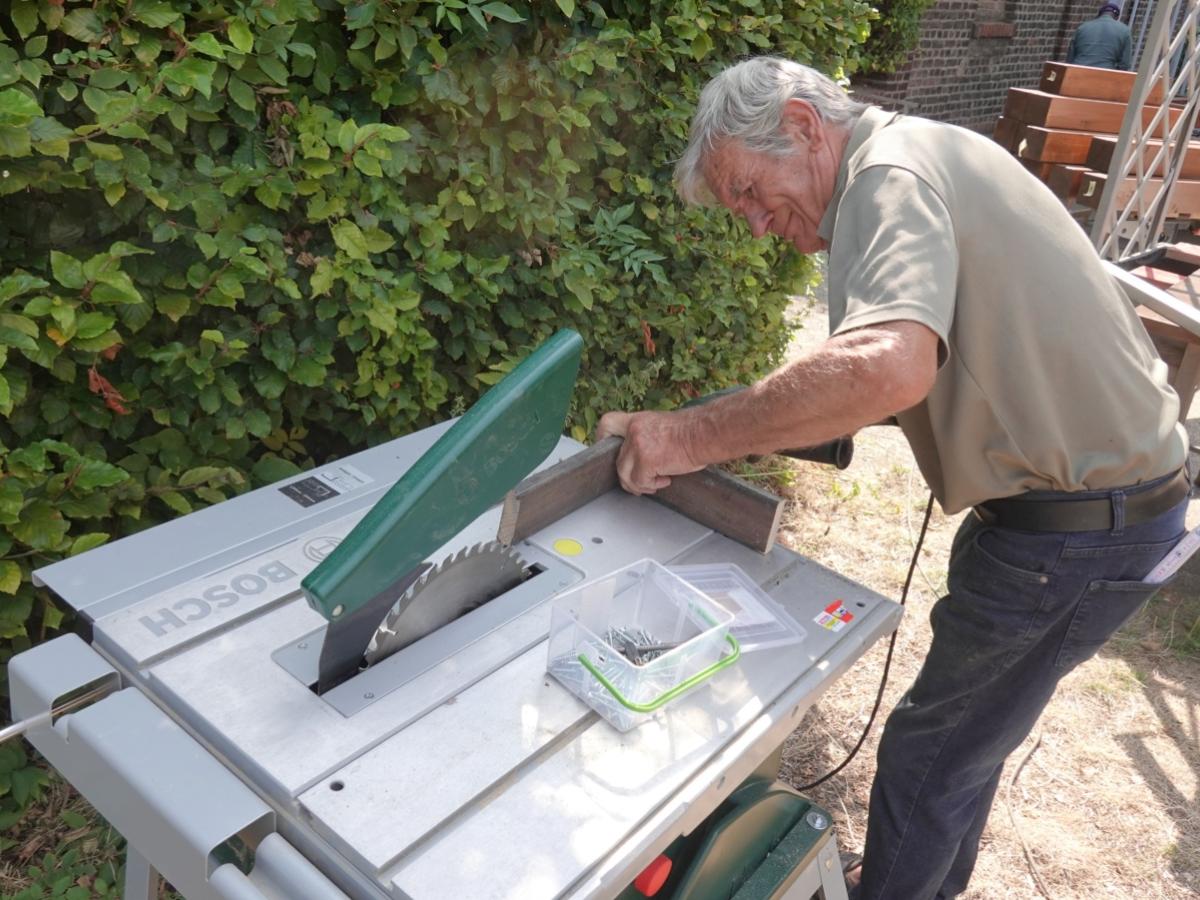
[{"x": 745, "y": 102}]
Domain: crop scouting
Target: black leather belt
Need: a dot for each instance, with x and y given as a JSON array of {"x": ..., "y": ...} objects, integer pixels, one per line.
[{"x": 1028, "y": 513}]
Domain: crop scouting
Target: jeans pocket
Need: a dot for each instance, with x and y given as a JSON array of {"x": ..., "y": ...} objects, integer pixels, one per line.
[{"x": 1104, "y": 608}]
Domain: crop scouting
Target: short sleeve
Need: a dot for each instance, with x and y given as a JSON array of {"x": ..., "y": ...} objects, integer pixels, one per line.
[{"x": 893, "y": 255}]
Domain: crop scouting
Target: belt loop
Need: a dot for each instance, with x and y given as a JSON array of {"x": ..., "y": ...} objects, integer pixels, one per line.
[{"x": 1118, "y": 509}]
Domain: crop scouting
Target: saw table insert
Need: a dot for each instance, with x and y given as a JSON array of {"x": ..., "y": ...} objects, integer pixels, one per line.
[{"x": 451, "y": 764}]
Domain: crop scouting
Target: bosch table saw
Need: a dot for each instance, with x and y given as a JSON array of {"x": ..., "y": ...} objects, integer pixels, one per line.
[{"x": 445, "y": 762}]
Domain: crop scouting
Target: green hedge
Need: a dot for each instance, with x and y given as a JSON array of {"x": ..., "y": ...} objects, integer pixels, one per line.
[
  {"x": 894, "y": 35},
  {"x": 239, "y": 238}
]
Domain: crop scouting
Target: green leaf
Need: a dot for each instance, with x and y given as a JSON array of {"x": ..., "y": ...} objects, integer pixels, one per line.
[
  {"x": 67, "y": 270},
  {"x": 191, "y": 72},
  {"x": 173, "y": 306},
  {"x": 321, "y": 279},
  {"x": 567, "y": 7},
  {"x": 10, "y": 576},
  {"x": 241, "y": 93},
  {"x": 83, "y": 25},
  {"x": 271, "y": 468},
  {"x": 176, "y": 501},
  {"x": 86, "y": 542},
  {"x": 503, "y": 11},
  {"x": 41, "y": 527},
  {"x": 25, "y": 17},
  {"x": 93, "y": 324},
  {"x": 17, "y": 107},
  {"x": 105, "y": 151},
  {"x": 207, "y": 44},
  {"x": 350, "y": 239},
  {"x": 198, "y": 475},
  {"x": 14, "y": 141},
  {"x": 19, "y": 283},
  {"x": 94, "y": 473},
  {"x": 240, "y": 35},
  {"x": 273, "y": 69},
  {"x": 308, "y": 371},
  {"x": 156, "y": 15}
]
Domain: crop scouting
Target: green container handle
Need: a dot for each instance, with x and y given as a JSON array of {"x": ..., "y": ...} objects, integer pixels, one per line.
[{"x": 674, "y": 692}]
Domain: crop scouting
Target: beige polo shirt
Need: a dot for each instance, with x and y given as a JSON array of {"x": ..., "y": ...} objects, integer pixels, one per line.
[{"x": 1047, "y": 379}]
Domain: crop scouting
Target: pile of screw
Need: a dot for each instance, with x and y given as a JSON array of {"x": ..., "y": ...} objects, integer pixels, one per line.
[{"x": 636, "y": 644}]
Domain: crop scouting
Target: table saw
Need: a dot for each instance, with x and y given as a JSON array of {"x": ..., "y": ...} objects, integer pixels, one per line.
[{"x": 441, "y": 764}]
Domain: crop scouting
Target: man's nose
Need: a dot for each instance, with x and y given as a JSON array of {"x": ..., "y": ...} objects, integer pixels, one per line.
[{"x": 758, "y": 221}]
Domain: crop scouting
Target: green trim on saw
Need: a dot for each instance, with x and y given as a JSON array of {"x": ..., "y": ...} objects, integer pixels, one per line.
[
  {"x": 496, "y": 443},
  {"x": 670, "y": 694}
]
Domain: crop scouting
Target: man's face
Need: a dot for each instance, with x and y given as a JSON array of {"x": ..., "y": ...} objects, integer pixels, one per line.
[{"x": 782, "y": 195}]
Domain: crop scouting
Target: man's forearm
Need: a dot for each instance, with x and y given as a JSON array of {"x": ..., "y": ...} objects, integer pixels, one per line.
[{"x": 851, "y": 381}]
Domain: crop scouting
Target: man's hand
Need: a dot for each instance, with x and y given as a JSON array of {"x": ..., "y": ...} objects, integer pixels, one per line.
[{"x": 657, "y": 446}]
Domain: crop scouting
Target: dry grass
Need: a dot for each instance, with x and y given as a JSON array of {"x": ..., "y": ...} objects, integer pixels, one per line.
[{"x": 1108, "y": 803}]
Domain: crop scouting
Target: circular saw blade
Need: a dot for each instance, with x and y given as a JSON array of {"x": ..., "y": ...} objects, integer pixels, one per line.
[{"x": 456, "y": 585}]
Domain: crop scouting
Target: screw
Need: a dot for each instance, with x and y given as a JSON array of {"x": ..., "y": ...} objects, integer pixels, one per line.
[
  {"x": 816, "y": 820},
  {"x": 369, "y": 695},
  {"x": 303, "y": 645}
]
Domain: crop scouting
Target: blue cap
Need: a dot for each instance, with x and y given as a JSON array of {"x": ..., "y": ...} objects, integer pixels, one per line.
[{"x": 1110, "y": 8}]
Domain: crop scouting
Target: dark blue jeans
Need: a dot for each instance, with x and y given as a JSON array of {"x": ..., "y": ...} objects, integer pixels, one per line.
[{"x": 1023, "y": 610}]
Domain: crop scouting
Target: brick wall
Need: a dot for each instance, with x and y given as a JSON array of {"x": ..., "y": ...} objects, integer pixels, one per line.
[{"x": 971, "y": 52}]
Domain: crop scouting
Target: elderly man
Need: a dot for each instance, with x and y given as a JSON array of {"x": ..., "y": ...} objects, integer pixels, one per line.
[
  {"x": 964, "y": 300},
  {"x": 1104, "y": 41}
]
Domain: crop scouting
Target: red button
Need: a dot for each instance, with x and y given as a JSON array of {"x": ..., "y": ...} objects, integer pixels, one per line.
[{"x": 653, "y": 877}]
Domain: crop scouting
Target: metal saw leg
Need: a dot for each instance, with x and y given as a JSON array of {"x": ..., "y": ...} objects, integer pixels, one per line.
[
  {"x": 141, "y": 881},
  {"x": 829, "y": 863}
]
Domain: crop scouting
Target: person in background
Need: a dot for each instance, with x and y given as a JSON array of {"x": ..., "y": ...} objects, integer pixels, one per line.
[
  {"x": 1104, "y": 41},
  {"x": 964, "y": 300}
]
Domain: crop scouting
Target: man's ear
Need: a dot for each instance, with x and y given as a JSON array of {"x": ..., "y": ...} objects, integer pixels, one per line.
[{"x": 802, "y": 123}]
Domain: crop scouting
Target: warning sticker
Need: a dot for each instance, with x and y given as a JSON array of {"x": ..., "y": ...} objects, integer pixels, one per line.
[{"x": 834, "y": 617}]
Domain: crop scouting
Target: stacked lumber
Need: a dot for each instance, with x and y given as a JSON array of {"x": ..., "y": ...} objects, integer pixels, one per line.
[{"x": 1065, "y": 132}]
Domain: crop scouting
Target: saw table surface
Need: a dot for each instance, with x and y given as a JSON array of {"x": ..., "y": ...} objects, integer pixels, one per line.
[{"x": 456, "y": 767}]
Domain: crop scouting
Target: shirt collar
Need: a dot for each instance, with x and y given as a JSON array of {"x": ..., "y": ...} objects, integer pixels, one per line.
[{"x": 872, "y": 120}]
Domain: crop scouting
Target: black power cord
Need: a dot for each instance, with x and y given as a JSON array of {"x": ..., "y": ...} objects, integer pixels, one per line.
[{"x": 887, "y": 664}]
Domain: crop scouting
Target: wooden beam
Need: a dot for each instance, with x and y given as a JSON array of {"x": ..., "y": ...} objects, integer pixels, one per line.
[
  {"x": 1092, "y": 83},
  {"x": 1054, "y": 145},
  {"x": 1005, "y": 132},
  {"x": 712, "y": 497},
  {"x": 1140, "y": 293},
  {"x": 1185, "y": 199},
  {"x": 1051, "y": 111},
  {"x": 1102, "y": 149},
  {"x": 1064, "y": 181},
  {"x": 1039, "y": 170}
]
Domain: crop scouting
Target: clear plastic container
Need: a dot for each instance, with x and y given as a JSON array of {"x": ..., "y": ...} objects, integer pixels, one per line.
[
  {"x": 759, "y": 622},
  {"x": 630, "y": 642}
]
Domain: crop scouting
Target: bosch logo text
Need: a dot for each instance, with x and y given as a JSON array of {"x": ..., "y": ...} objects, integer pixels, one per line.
[{"x": 192, "y": 609}]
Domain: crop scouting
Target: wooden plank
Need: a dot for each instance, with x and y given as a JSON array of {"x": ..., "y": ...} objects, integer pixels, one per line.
[
  {"x": 1051, "y": 111},
  {"x": 711, "y": 497},
  {"x": 1160, "y": 278},
  {"x": 1039, "y": 170},
  {"x": 1187, "y": 379},
  {"x": 1092, "y": 83},
  {"x": 1064, "y": 180},
  {"x": 1185, "y": 199},
  {"x": 1139, "y": 292},
  {"x": 1184, "y": 253},
  {"x": 1005, "y": 132},
  {"x": 1102, "y": 149},
  {"x": 1054, "y": 145}
]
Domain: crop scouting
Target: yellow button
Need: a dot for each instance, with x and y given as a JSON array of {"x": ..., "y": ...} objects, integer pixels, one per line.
[{"x": 567, "y": 547}]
